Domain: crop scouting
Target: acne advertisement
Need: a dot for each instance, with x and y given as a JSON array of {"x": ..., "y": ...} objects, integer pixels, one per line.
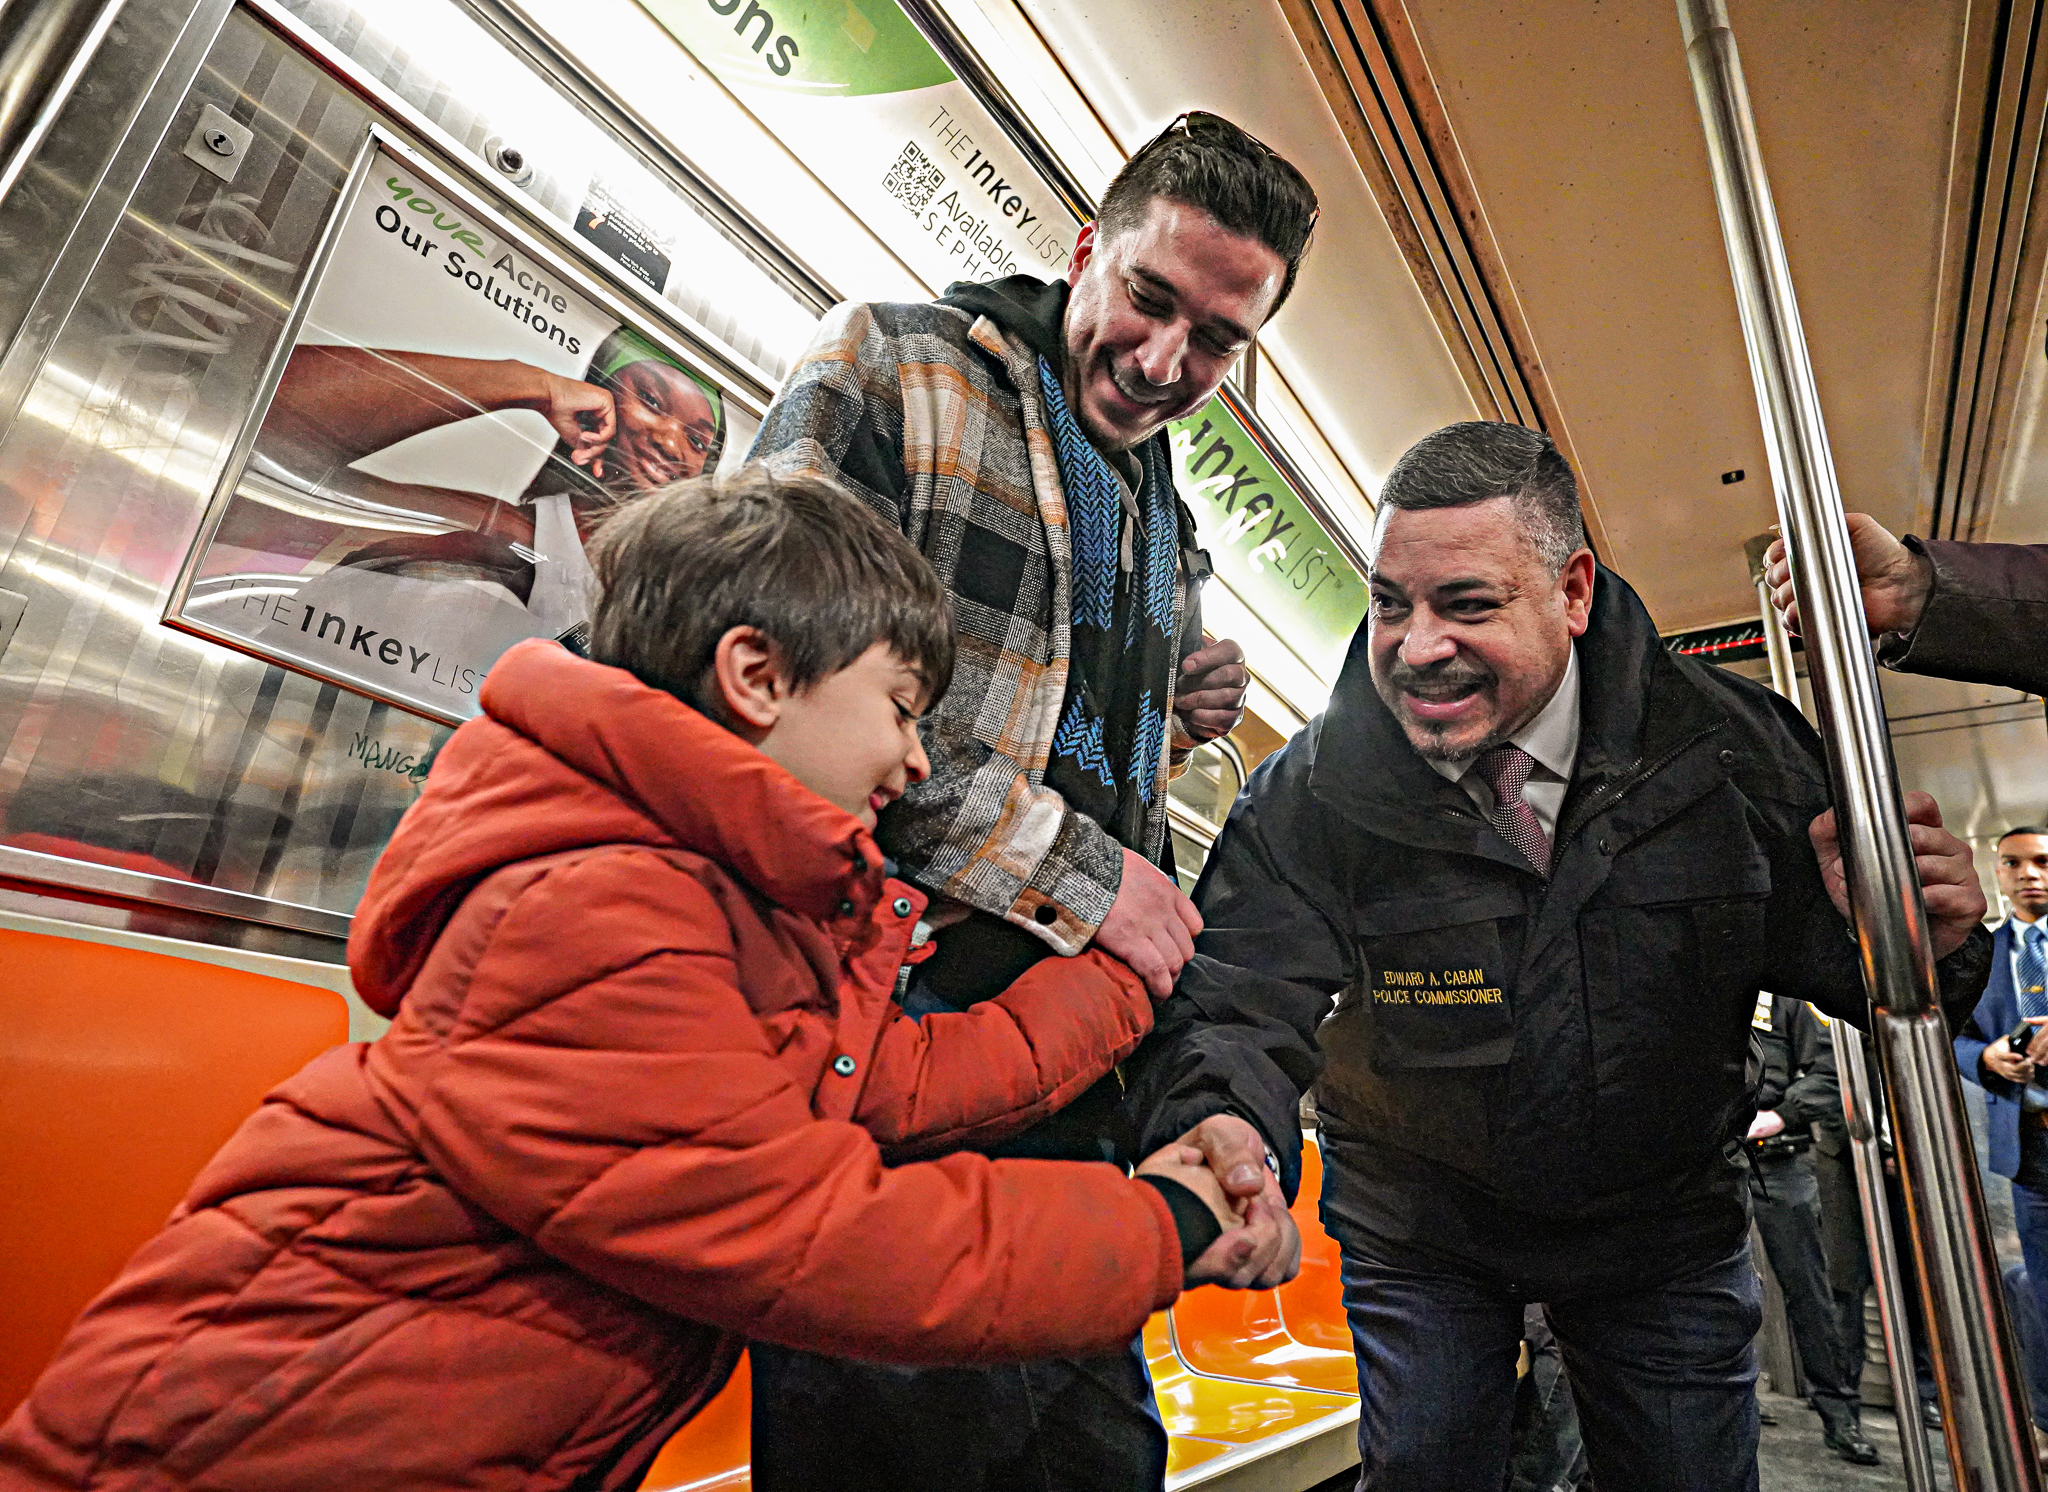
[
  {"x": 856, "y": 93},
  {"x": 450, "y": 425}
]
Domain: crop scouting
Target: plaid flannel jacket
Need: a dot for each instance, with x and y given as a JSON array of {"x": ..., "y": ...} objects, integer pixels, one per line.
[{"x": 933, "y": 417}]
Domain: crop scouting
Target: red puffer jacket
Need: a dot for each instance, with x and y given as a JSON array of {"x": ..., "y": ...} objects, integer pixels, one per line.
[{"x": 634, "y": 1107}]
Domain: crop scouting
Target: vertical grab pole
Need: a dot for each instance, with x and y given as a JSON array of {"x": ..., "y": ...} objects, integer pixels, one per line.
[
  {"x": 1859, "y": 1114},
  {"x": 1990, "y": 1446},
  {"x": 1884, "y": 1254}
]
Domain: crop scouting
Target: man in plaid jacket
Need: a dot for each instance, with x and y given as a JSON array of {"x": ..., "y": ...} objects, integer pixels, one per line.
[{"x": 1016, "y": 431}]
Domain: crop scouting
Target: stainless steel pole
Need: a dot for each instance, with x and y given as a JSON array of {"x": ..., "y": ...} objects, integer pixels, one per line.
[
  {"x": 44, "y": 48},
  {"x": 1990, "y": 1444},
  {"x": 1884, "y": 1254},
  {"x": 1777, "y": 646},
  {"x": 1859, "y": 1115}
]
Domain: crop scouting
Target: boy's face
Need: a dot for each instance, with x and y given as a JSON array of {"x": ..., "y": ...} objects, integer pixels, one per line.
[{"x": 851, "y": 737}]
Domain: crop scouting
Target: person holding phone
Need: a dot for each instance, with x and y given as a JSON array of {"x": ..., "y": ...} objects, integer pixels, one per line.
[{"x": 2004, "y": 1043}]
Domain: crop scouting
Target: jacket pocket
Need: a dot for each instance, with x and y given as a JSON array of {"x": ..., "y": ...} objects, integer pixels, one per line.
[
  {"x": 1417, "y": 1048},
  {"x": 1436, "y": 997},
  {"x": 1672, "y": 956}
]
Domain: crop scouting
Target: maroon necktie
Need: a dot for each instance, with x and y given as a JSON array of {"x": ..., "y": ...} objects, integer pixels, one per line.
[{"x": 1505, "y": 769}]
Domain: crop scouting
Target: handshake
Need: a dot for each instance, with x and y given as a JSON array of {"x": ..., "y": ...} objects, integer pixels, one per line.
[{"x": 1222, "y": 1160}]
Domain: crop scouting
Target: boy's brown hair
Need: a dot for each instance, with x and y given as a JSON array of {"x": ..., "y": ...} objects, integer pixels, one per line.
[{"x": 798, "y": 557}]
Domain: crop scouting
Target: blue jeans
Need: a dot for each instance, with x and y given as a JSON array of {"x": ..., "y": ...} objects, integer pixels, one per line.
[{"x": 1664, "y": 1377}]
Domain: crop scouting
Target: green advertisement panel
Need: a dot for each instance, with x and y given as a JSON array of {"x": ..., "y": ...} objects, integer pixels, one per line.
[
  {"x": 857, "y": 94},
  {"x": 1266, "y": 545},
  {"x": 839, "y": 47}
]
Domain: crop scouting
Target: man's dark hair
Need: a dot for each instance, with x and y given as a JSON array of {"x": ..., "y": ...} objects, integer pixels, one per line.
[
  {"x": 1206, "y": 162},
  {"x": 1475, "y": 460},
  {"x": 799, "y": 557},
  {"x": 2021, "y": 829}
]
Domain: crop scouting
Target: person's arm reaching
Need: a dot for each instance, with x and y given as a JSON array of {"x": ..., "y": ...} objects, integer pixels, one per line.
[
  {"x": 951, "y": 1080},
  {"x": 632, "y": 1120},
  {"x": 338, "y": 404},
  {"x": 1952, "y": 610},
  {"x": 1238, "y": 1036},
  {"x": 1812, "y": 956}
]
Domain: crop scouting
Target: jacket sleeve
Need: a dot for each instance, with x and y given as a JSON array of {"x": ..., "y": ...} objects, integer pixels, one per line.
[
  {"x": 614, "y": 1098},
  {"x": 979, "y": 830},
  {"x": 1816, "y": 1093},
  {"x": 1972, "y": 1037},
  {"x": 1986, "y": 596},
  {"x": 1775, "y": 1048},
  {"x": 985, "y": 1073},
  {"x": 1810, "y": 951},
  {"x": 1238, "y": 1035}
]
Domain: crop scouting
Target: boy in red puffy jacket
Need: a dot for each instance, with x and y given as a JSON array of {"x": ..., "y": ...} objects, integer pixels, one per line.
[{"x": 646, "y": 1086}]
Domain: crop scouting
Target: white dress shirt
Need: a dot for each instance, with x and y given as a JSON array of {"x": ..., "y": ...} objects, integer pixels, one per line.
[{"x": 1551, "y": 738}]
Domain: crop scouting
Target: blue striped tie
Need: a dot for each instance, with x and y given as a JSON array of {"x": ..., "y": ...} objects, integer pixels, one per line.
[{"x": 2030, "y": 967}]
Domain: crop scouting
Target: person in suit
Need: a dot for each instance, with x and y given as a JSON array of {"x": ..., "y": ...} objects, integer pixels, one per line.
[{"x": 2016, "y": 1108}]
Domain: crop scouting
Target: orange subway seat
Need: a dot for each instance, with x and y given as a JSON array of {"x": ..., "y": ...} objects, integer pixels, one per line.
[
  {"x": 124, "y": 1070},
  {"x": 1296, "y": 1335}
]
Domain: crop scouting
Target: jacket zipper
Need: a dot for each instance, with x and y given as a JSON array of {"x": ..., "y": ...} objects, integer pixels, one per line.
[{"x": 1637, "y": 775}]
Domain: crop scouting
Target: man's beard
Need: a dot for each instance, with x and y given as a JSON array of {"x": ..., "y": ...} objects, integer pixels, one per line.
[{"x": 1427, "y": 736}]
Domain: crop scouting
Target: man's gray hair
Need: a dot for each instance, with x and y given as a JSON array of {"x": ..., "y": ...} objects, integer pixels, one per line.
[{"x": 1475, "y": 460}]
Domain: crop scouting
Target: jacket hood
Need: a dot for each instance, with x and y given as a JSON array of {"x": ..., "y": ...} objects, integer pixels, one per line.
[
  {"x": 1634, "y": 700},
  {"x": 1034, "y": 310},
  {"x": 569, "y": 755}
]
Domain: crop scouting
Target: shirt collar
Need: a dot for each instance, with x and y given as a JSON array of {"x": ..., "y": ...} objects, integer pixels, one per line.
[{"x": 1552, "y": 737}]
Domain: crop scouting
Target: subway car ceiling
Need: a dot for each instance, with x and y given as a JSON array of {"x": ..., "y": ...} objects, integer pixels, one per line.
[{"x": 1518, "y": 223}]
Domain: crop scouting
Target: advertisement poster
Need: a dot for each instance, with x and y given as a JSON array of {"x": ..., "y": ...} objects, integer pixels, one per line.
[
  {"x": 859, "y": 96},
  {"x": 1265, "y": 544},
  {"x": 451, "y": 423}
]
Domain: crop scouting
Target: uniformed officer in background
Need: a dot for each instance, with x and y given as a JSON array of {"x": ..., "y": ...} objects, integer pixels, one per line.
[
  {"x": 1544, "y": 867},
  {"x": 1796, "y": 1089}
]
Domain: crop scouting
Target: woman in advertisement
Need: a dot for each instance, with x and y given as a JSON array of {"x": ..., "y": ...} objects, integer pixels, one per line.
[
  {"x": 637, "y": 420},
  {"x": 425, "y": 563}
]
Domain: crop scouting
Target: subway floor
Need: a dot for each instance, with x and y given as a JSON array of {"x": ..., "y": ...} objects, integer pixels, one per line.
[{"x": 1792, "y": 1458}]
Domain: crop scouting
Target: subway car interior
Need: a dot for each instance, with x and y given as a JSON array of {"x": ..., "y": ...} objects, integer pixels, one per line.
[{"x": 240, "y": 616}]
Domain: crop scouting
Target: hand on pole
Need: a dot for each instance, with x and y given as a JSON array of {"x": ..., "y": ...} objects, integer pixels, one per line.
[
  {"x": 1948, "y": 875},
  {"x": 1896, "y": 582}
]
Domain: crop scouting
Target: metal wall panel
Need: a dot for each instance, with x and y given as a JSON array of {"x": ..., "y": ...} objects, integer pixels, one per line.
[{"x": 122, "y": 741}]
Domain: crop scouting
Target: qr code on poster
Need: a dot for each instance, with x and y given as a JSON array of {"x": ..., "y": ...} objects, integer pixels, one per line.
[{"x": 913, "y": 178}]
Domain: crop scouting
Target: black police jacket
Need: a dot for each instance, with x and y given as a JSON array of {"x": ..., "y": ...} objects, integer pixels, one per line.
[
  {"x": 1796, "y": 1067},
  {"x": 1513, "y": 1067}
]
